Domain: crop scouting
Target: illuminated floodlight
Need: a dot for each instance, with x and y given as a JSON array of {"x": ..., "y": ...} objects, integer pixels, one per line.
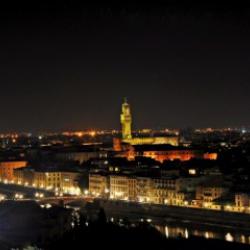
[{"x": 18, "y": 196}]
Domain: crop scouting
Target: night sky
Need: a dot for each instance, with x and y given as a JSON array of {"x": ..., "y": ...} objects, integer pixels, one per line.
[{"x": 69, "y": 67}]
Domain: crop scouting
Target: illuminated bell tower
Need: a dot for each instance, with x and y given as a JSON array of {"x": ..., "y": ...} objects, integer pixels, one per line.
[{"x": 126, "y": 121}]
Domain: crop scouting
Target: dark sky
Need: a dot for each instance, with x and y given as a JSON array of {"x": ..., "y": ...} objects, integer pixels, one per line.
[{"x": 68, "y": 67}]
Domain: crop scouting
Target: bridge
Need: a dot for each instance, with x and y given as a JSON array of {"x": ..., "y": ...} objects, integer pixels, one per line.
[
  {"x": 64, "y": 200},
  {"x": 42, "y": 196}
]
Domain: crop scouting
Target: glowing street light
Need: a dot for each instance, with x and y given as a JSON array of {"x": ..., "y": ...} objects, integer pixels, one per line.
[
  {"x": 18, "y": 196},
  {"x": 92, "y": 133}
]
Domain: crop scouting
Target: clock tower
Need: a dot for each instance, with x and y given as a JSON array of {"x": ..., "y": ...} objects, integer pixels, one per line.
[{"x": 126, "y": 120}]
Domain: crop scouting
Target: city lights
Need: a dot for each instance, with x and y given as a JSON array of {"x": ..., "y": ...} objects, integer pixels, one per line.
[
  {"x": 125, "y": 126},
  {"x": 39, "y": 195},
  {"x": 19, "y": 196},
  {"x": 2, "y": 197},
  {"x": 92, "y": 133}
]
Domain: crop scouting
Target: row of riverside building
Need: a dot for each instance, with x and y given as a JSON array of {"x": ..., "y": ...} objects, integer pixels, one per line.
[
  {"x": 209, "y": 189},
  {"x": 50, "y": 178},
  {"x": 208, "y": 192}
]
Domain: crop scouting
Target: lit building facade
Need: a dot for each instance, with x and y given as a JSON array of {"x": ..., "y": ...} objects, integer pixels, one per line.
[
  {"x": 206, "y": 196},
  {"x": 98, "y": 184},
  {"x": 178, "y": 154},
  {"x": 144, "y": 189},
  {"x": 172, "y": 190},
  {"x": 24, "y": 176},
  {"x": 163, "y": 153},
  {"x": 7, "y": 169},
  {"x": 59, "y": 180},
  {"x": 123, "y": 187},
  {"x": 182, "y": 155},
  {"x": 126, "y": 125},
  {"x": 171, "y": 140},
  {"x": 162, "y": 190},
  {"x": 167, "y": 190},
  {"x": 242, "y": 201}
]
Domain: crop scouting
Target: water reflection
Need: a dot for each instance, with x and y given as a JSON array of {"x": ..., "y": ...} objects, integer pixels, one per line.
[
  {"x": 178, "y": 231},
  {"x": 209, "y": 235},
  {"x": 243, "y": 239},
  {"x": 166, "y": 232},
  {"x": 173, "y": 229},
  {"x": 229, "y": 237}
]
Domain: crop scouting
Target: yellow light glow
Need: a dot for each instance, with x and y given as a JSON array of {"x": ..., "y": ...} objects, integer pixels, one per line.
[
  {"x": 229, "y": 237},
  {"x": 79, "y": 134},
  {"x": 92, "y": 133},
  {"x": 192, "y": 171}
]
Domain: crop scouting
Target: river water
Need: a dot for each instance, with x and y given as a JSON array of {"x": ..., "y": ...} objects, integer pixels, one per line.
[
  {"x": 175, "y": 231},
  {"x": 180, "y": 228}
]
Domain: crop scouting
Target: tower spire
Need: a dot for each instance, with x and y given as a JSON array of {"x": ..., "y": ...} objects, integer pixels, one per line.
[{"x": 126, "y": 120}]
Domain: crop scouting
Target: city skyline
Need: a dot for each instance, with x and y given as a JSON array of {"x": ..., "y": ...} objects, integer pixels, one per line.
[
  {"x": 80, "y": 131},
  {"x": 124, "y": 125},
  {"x": 67, "y": 67}
]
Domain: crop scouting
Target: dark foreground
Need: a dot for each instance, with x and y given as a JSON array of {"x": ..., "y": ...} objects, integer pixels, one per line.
[
  {"x": 26, "y": 224},
  {"x": 102, "y": 235}
]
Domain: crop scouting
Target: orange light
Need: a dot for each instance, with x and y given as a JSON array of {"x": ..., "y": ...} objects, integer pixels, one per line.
[
  {"x": 92, "y": 133},
  {"x": 79, "y": 134}
]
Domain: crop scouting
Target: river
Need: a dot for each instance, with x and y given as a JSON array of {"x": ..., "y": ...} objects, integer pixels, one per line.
[{"x": 175, "y": 231}]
